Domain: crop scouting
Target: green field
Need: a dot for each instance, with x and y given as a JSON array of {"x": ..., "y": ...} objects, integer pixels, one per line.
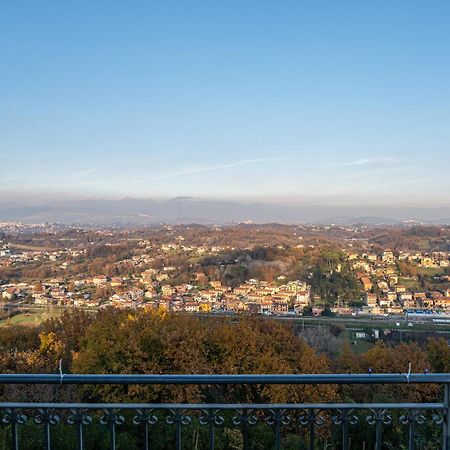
[
  {"x": 410, "y": 283},
  {"x": 31, "y": 319},
  {"x": 357, "y": 345}
]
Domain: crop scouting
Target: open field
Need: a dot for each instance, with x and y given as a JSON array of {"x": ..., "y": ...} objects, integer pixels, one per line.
[
  {"x": 32, "y": 248},
  {"x": 31, "y": 318},
  {"x": 363, "y": 323},
  {"x": 35, "y": 315}
]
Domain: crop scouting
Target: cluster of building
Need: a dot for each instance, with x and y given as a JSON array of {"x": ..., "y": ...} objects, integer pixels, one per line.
[
  {"x": 254, "y": 297},
  {"x": 387, "y": 290},
  {"x": 9, "y": 258},
  {"x": 12, "y": 227}
]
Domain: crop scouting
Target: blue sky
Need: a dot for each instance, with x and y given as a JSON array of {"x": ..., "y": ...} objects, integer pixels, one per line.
[{"x": 294, "y": 101}]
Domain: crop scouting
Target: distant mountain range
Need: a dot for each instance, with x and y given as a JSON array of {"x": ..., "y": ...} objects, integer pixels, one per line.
[{"x": 131, "y": 211}]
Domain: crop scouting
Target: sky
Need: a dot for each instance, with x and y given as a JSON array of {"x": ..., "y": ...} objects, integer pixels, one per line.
[{"x": 319, "y": 102}]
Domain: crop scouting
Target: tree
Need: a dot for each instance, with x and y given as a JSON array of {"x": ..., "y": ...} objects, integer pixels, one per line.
[
  {"x": 327, "y": 312},
  {"x": 438, "y": 352}
]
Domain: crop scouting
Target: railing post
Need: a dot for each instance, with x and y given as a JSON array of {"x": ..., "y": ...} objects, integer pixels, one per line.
[
  {"x": 211, "y": 418},
  {"x": 244, "y": 418},
  {"x": 310, "y": 418},
  {"x": 146, "y": 446},
  {"x": 446, "y": 422},
  {"x": 311, "y": 434},
  {"x": 145, "y": 418},
  {"x": 80, "y": 435},
  {"x": 378, "y": 431},
  {"x": 244, "y": 429},
  {"x": 47, "y": 436},
  {"x": 178, "y": 419},
  {"x": 14, "y": 418},
  {"x": 345, "y": 418},
  {"x": 111, "y": 419},
  {"x": 379, "y": 417},
  {"x": 277, "y": 432},
  {"x": 112, "y": 435},
  {"x": 345, "y": 434},
  {"x": 46, "y": 417},
  {"x": 15, "y": 436},
  {"x": 412, "y": 435},
  {"x": 276, "y": 420},
  {"x": 79, "y": 418}
]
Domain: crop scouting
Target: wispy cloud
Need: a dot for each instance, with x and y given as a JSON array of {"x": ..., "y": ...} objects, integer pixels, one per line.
[
  {"x": 211, "y": 168},
  {"x": 367, "y": 161},
  {"x": 84, "y": 173}
]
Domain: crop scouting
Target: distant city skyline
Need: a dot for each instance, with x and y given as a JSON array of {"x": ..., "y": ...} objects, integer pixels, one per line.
[{"x": 324, "y": 103}]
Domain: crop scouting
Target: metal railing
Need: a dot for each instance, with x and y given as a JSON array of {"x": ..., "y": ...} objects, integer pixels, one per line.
[{"x": 148, "y": 421}]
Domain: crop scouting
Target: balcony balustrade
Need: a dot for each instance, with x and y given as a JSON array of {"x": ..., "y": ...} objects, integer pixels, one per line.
[{"x": 146, "y": 421}]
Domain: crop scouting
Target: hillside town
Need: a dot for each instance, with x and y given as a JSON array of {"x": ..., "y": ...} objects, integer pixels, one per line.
[{"x": 173, "y": 275}]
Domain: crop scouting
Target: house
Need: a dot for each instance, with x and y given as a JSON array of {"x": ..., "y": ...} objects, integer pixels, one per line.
[
  {"x": 99, "y": 280},
  {"x": 371, "y": 299},
  {"x": 280, "y": 306},
  {"x": 254, "y": 308},
  {"x": 393, "y": 280},
  {"x": 421, "y": 299},
  {"x": 409, "y": 303},
  {"x": 134, "y": 294},
  {"x": 428, "y": 263},
  {"x": 388, "y": 257},
  {"x": 302, "y": 298},
  {"x": 367, "y": 284},
  {"x": 442, "y": 302},
  {"x": 391, "y": 296},
  {"x": 151, "y": 293},
  {"x": 148, "y": 274},
  {"x": 116, "y": 282},
  {"x": 41, "y": 300},
  {"x": 266, "y": 307},
  {"x": 405, "y": 296},
  {"x": 192, "y": 307},
  {"x": 9, "y": 293},
  {"x": 168, "y": 290},
  {"x": 162, "y": 277},
  {"x": 394, "y": 309}
]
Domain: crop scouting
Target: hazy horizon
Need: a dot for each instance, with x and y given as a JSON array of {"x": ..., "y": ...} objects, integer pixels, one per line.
[
  {"x": 46, "y": 199},
  {"x": 130, "y": 211}
]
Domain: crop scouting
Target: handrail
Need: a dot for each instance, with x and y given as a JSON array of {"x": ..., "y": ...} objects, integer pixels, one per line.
[
  {"x": 207, "y": 379},
  {"x": 224, "y": 406}
]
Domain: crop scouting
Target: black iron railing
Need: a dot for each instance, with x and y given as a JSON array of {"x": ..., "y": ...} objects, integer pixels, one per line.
[{"x": 152, "y": 421}]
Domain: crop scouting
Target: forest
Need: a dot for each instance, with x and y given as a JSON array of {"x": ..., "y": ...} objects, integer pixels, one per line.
[{"x": 155, "y": 342}]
